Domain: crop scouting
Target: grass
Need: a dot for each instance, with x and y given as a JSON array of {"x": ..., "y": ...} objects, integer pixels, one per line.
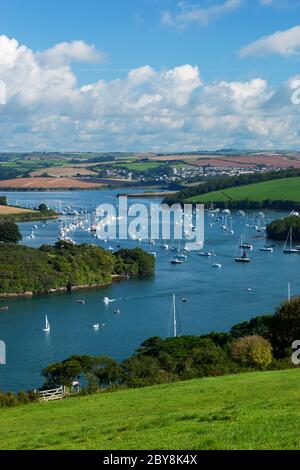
[
  {"x": 12, "y": 210},
  {"x": 281, "y": 189},
  {"x": 143, "y": 166},
  {"x": 249, "y": 411}
]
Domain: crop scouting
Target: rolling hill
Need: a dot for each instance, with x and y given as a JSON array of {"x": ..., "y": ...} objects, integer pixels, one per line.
[
  {"x": 280, "y": 189},
  {"x": 249, "y": 411}
]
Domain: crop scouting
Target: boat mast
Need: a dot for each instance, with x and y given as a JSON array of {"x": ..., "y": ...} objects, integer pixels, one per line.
[{"x": 174, "y": 317}]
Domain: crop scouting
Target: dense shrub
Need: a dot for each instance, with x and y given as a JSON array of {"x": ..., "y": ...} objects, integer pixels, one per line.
[
  {"x": 279, "y": 229},
  {"x": 285, "y": 327},
  {"x": 9, "y": 232},
  {"x": 253, "y": 351},
  {"x": 10, "y": 399},
  {"x": 135, "y": 261},
  {"x": 64, "y": 266},
  {"x": 3, "y": 200}
]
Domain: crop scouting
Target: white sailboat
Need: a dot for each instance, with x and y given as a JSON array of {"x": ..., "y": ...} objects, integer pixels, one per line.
[
  {"x": 47, "y": 325},
  {"x": 243, "y": 258},
  {"x": 288, "y": 246},
  {"x": 175, "y": 319}
]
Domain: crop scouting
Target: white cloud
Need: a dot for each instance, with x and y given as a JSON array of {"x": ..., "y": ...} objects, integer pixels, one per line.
[
  {"x": 284, "y": 43},
  {"x": 75, "y": 51},
  {"x": 148, "y": 109},
  {"x": 193, "y": 14}
]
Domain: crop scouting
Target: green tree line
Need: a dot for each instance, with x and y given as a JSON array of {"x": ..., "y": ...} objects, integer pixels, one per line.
[{"x": 64, "y": 266}]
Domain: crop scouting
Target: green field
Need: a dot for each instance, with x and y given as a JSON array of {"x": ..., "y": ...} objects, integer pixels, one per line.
[
  {"x": 250, "y": 411},
  {"x": 281, "y": 189},
  {"x": 139, "y": 166}
]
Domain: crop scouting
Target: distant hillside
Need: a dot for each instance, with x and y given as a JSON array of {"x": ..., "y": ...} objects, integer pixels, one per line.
[
  {"x": 249, "y": 411},
  {"x": 273, "y": 190},
  {"x": 282, "y": 189}
]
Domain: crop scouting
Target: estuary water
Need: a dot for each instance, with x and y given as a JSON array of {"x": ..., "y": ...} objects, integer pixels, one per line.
[{"x": 216, "y": 298}]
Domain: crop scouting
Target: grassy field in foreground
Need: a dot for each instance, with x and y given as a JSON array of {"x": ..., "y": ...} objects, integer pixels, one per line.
[
  {"x": 260, "y": 410},
  {"x": 281, "y": 189}
]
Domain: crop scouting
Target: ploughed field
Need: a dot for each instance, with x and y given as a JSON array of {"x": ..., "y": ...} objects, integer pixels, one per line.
[
  {"x": 64, "y": 172},
  {"x": 257, "y": 410},
  {"x": 47, "y": 183},
  {"x": 281, "y": 189}
]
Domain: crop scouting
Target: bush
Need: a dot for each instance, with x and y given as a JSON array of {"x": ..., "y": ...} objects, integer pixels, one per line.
[
  {"x": 279, "y": 229},
  {"x": 9, "y": 232},
  {"x": 285, "y": 327},
  {"x": 10, "y": 399},
  {"x": 3, "y": 200},
  {"x": 253, "y": 351}
]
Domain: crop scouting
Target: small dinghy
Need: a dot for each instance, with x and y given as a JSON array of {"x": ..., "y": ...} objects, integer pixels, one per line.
[
  {"x": 176, "y": 261},
  {"x": 267, "y": 249},
  {"x": 217, "y": 265}
]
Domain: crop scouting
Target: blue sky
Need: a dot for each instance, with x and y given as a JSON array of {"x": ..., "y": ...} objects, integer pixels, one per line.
[
  {"x": 131, "y": 34},
  {"x": 218, "y": 38}
]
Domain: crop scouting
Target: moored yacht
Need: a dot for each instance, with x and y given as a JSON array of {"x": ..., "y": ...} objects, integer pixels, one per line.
[{"x": 288, "y": 246}]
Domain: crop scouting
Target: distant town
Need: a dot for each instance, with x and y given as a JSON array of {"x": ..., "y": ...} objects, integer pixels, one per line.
[{"x": 59, "y": 170}]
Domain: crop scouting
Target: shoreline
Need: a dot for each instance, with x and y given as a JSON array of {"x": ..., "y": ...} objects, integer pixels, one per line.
[
  {"x": 63, "y": 290},
  {"x": 149, "y": 195}
]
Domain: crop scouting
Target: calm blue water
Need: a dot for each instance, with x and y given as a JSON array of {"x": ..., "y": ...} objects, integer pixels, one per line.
[{"x": 217, "y": 299}]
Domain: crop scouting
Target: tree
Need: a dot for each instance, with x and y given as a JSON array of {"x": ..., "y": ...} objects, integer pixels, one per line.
[
  {"x": 254, "y": 351},
  {"x": 256, "y": 326},
  {"x": 285, "y": 327},
  {"x": 43, "y": 208},
  {"x": 9, "y": 232},
  {"x": 108, "y": 371},
  {"x": 62, "y": 373},
  {"x": 3, "y": 200},
  {"x": 142, "y": 371},
  {"x": 210, "y": 360}
]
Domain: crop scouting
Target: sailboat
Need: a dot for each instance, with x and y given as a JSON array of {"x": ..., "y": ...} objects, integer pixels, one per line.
[
  {"x": 176, "y": 329},
  {"x": 243, "y": 258},
  {"x": 288, "y": 246},
  {"x": 47, "y": 325}
]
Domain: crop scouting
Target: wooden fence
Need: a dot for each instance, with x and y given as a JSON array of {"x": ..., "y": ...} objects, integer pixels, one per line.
[{"x": 55, "y": 394}]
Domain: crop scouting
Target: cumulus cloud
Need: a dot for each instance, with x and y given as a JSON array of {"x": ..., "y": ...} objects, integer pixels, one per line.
[
  {"x": 66, "y": 52},
  {"x": 148, "y": 109},
  {"x": 285, "y": 43},
  {"x": 190, "y": 13}
]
